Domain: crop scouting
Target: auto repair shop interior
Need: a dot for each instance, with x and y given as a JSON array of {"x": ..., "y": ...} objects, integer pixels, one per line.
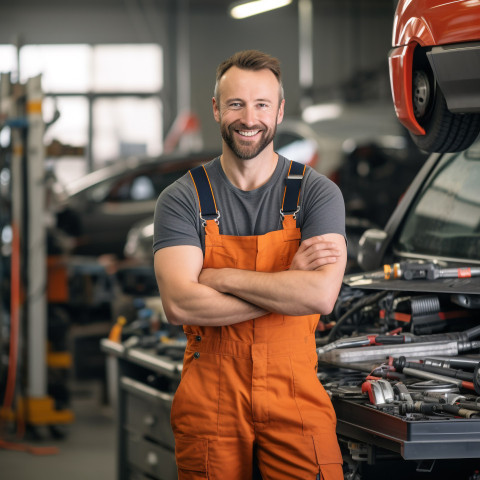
[{"x": 104, "y": 103}]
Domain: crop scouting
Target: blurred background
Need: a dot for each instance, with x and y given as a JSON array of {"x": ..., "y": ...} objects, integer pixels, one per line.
[{"x": 123, "y": 91}]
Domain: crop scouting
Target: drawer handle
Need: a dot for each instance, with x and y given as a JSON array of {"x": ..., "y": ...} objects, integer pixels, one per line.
[
  {"x": 149, "y": 420},
  {"x": 152, "y": 459},
  {"x": 138, "y": 388}
]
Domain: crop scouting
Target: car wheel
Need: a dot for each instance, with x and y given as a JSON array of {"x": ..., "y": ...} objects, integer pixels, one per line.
[{"x": 444, "y": 131}]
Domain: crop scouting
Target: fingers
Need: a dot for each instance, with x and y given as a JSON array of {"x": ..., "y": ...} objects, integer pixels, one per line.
[
  {"x": 315, "y": 253},
  {"x": 322, "y": 248}
]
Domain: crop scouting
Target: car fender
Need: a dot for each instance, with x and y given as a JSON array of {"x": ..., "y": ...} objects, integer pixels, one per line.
[
  {"x": 429, "y": 23},
  {"x": 400, "y": 62},
  {"x": 414, "y": 31}
]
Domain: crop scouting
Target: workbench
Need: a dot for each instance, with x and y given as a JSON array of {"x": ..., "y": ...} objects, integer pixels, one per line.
[{"x": 145, "y": 383}]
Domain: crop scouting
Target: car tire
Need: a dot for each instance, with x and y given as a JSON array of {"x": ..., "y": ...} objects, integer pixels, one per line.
[{"x": 444, "y": 131}]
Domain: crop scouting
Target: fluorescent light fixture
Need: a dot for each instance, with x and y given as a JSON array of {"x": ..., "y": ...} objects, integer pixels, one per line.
[
  {"x": 318, "y": 113},
  {"x": 247, "y": 9},
  {"x": 147, "y": 231}
]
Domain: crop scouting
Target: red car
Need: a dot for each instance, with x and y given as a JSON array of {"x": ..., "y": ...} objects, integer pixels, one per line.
[{"x": 435, "y": 72}]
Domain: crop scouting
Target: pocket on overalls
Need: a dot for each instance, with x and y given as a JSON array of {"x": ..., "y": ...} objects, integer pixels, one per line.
[
  {"x": 329, "y": 457},
  {"x": 220, "y": 259},
  {"x": 313, "y": 402},
  {"x": 191, "y": 454},
  {"x": 195, "y": 404}
]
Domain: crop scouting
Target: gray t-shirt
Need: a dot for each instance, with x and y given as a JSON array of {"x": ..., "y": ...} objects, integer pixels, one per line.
[{"x": 256, "y": 212}]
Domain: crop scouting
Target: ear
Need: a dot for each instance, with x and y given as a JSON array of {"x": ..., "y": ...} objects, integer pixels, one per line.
[
  {"x": 216, "y": 110},
  {"x": 280, "y": 113}
]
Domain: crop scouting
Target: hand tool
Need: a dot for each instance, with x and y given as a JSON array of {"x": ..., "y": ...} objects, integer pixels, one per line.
[
  {"x": 401, "y": 362},
  {"x": 398, "y": 339},
  {"x": 420, "y": 271},
  {"x": 402, "y": 393},
  {"x": 439, "y": 397},
  {"x": 411, "y": 350},
  {"x": 442, "y": 378},
  {"x": 437, "y": 408},
  {"x": 452, "y": 362},
  {"x": 379, "y": 391}
]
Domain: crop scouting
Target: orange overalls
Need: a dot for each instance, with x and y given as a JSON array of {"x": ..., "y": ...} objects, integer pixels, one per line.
[{"x": 251, "y": 389}]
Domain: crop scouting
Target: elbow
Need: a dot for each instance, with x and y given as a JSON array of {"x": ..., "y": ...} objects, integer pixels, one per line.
[
  {"x": 325, "y": 304},
  {"x": 175, "y": 315}
]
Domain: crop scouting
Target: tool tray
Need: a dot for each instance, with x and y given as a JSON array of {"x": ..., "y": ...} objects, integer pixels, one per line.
[{"x": 414, "y": 436}]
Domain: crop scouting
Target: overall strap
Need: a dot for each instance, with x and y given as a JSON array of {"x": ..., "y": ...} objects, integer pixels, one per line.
[
  {"x": 206, "y": 199},
  {"x": 291, "y": 194}
]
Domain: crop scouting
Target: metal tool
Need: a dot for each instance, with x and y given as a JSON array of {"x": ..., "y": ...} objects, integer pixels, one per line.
[
  {"x": 454, "y": 362},
  {"x": 380, "y": 392},
  {"x": 401, "y": 362},
  {"x": 420, "y": 271},
  {"x": 442, "y": 378},
  {"x": 367, "y": 340},
  {"x": 402, "y": 393},
  {"x": 409, "y": 350}
]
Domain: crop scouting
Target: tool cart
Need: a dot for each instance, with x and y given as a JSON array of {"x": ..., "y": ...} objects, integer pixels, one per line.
[{"x": 144, "y": 364}]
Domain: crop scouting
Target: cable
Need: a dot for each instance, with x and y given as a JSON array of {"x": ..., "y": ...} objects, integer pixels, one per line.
[{"x": 360, "y": 304}]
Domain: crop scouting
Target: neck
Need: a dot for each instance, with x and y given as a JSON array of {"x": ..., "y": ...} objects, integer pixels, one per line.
[{"x": 249, "y": 174}]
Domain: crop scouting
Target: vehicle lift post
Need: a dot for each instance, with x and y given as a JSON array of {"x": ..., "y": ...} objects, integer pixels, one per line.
[{"x": 36, "y": 408}]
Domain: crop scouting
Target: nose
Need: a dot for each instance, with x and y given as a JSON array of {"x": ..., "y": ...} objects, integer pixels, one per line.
[{"x": 248, "y": 116}]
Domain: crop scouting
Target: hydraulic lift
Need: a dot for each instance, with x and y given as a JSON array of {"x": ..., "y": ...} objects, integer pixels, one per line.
[{"x": 21, "y": 114}]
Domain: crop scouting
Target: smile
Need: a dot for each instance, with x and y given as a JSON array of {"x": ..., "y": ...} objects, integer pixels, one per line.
[{"x": 247, "y": 133}]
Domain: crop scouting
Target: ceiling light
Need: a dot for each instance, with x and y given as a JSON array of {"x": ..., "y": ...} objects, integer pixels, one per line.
[
  {"x": 319, "y": 113},
  {"x": 247, "y": 9}
]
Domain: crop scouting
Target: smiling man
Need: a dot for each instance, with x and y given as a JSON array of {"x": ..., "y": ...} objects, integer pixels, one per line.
[{"x": 249, "y": 250}]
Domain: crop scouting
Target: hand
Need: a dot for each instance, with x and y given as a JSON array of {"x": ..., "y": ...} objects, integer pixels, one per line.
[
  {"x": 209, "y": 276},
  {"x": 314, "y": 253}
]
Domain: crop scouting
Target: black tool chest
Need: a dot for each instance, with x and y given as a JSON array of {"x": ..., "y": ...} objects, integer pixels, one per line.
[
  {"x": 145, "y": 384},
  {"x": 403, "y": 374},
  {"x": 413, "y": 438}
]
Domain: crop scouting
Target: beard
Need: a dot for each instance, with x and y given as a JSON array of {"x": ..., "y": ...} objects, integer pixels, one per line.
[{"x": 246, "y": 149}]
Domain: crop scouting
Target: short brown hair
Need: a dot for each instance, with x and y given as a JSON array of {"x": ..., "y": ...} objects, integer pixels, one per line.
[{"x": 250, "y": 60}]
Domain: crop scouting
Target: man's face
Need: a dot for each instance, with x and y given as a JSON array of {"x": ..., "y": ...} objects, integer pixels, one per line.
[{"x": 248, "y": 110}]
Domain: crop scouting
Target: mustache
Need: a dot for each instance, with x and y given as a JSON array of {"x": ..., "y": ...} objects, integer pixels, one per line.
[{"x": 242, "y": 126}]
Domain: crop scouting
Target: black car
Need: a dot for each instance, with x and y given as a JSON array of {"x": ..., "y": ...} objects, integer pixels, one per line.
[
  {"x": 400, "y": 354},
  {"x": 99, "y": 209},
  {"x": 361, "y": 147}
]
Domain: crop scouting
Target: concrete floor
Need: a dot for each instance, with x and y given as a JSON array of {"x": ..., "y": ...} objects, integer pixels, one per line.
[{"x": 88, "y": 450}]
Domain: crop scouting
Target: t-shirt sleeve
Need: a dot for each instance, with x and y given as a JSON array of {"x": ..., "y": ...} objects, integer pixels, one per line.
[
  {"x": 175, "y": 217},
  {"x": 323, "y": 207}
]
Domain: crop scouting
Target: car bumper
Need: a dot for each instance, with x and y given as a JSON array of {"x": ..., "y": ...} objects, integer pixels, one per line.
[{"x": 457, "y": 70}]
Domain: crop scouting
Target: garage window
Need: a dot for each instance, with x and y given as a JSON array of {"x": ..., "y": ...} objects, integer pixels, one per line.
[{"x": 108, "y": 97}]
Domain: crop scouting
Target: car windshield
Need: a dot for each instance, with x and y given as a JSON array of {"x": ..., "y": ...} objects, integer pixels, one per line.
[{"x": 444, "y": 221}]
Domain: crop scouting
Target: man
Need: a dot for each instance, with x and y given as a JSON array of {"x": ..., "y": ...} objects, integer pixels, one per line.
[{"x": 231, "y": 271}]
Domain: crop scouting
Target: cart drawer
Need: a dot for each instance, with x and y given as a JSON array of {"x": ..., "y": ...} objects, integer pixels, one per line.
[
  {"x": 150, "y": 458},
  {"x": 148, "y": 411}
]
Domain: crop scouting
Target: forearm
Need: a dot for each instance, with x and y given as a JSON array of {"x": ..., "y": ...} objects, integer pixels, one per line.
[
  {"x": 207, "y": 307},
  {"x": 310, "y": 286},
  {"x": 186, "y": 301},
  {"x": 291, "y": 292}
]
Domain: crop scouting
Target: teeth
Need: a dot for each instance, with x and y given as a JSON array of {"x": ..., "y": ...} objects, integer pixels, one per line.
[{"x": 248, "y": 133}]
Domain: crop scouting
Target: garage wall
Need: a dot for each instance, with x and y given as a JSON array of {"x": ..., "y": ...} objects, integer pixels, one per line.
[
  {"x": 276, "y": 34},
  {"x": 351, "y": 42}
]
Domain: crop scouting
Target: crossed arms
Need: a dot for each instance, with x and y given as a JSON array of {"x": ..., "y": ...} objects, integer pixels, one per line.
[{"x": 192, "y": 295}]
